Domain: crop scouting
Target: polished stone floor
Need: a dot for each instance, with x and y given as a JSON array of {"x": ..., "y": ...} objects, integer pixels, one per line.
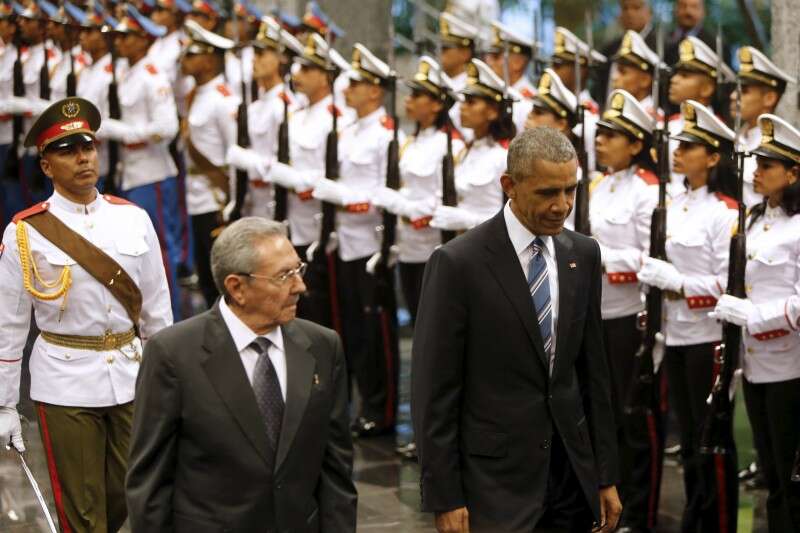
[{"x": 388, "y": 487}]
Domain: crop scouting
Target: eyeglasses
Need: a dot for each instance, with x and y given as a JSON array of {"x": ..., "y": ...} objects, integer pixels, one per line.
[{"x": 281, "y": 279}]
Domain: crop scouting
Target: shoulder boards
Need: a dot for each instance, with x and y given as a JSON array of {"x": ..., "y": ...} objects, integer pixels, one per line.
[
  {"x": 676, "y": 116},
  {"x": 51, "y": 54},
  {"x": 504, "y": 143},
  {"x": 647, "y": 176},
  {"x": 108, "y": 68},
  {"x": 38, "y": 208},
  {"x": 151, "y": 68},
  {"x": 24, "y": 49},
  {"x": 387, "y": 122},
  {"x": 82, "y": 59},
  {"x": 116, "y": 200},
  {"x": 526, "y": 92},
  {"x": 729, "y": 202},
  {"x": 332, "y": 109},
  {"x": 596, "y": 180},
  {"x": 223, "y": 89}
]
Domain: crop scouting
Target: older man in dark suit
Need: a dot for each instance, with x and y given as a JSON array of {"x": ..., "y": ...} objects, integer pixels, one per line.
[
  {"x": 241, "y": 420},
  {"x": 510, "y": 389}
]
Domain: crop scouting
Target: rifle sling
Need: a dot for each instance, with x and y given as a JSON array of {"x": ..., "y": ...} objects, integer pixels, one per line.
[
  {"x": 219, "y": 178},
  {"x": 96, "y": 262}
]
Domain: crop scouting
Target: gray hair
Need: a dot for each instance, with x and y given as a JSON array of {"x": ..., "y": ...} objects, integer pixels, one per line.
[
  {"x": 235, "y": 249},
  {"x": 543, "y": 143}
]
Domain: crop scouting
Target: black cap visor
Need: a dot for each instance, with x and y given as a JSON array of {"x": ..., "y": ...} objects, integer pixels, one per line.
[{"x": 70, "y": 140}]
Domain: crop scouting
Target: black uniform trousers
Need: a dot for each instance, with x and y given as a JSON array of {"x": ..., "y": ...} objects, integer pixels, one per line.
[
  {"x": 411, "y": 282},
  {"x": 710, "y": 481},
  {"x": 318, "y": 304},
  {"x": 202, "y": 226},
  {"x": 640, "y": 436},
  {"x": 774, "y": 412},
  {"x": 369, "y": 335}
]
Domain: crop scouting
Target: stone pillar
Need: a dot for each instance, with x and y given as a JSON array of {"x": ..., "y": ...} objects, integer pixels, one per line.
[{"x": 786, "y": 52}]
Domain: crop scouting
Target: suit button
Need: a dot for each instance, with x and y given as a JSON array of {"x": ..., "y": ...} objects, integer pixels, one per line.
[
  {"x": 545, "y": 444},
  {"x": 549, "y": 397}
]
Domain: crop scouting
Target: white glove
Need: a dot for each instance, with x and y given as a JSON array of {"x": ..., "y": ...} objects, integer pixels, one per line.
[
  {"x": 336, "y": 193},
  {"x": 453, "y": 218},
  {"x": 11, "y": 429},
  {"x": 15, "y": 105},
  {"x": 114, "y": 129},
  {"x": 658, "y": 273},
  {"x": 733, "y": 310},
  {"x": 286, "y": 176},
  {"x": 390, "y": 200},
  {"x": 246, "y": 159}
]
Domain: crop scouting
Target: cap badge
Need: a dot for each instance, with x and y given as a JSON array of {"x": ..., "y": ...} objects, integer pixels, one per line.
[{"x": 70, "y": 109}]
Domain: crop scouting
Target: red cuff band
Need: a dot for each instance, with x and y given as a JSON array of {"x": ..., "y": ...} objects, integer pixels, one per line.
[
  {"x": 616, "y": 278},
  {"x": 769, "y": 335},
  {"x": 701, "y": 302}
]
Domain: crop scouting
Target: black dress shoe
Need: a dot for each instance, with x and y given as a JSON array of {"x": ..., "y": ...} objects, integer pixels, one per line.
[
  {"x": 407, "y": 451},
  {"x": 365, "y": 428}
]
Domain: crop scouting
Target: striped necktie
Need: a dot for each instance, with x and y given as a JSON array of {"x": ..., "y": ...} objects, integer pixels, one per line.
[
  {"x": 267, "y": 389},
  {"x": 539, "y": 287}
]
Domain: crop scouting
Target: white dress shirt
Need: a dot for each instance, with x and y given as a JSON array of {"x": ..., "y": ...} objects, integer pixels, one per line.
[
  {"x": 521, "y": 239},
  {"x": 243, "y": 337}
]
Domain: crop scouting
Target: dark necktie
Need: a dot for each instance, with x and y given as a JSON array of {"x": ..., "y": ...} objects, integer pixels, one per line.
[
  {"x": 539, "y": 286},
  {"x": 267, "y": 389}
]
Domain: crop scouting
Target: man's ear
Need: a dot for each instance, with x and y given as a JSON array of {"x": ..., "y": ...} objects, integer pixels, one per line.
[
  {"x": 508, "y": 185},
  {"x": 44, "y": 164}
]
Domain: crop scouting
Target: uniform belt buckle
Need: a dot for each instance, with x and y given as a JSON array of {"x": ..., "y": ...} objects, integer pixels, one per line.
[{"x": 109, "y": 340}]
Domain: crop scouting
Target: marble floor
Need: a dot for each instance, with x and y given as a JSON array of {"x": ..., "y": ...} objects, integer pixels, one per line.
[{"x": 388, "y": 486}]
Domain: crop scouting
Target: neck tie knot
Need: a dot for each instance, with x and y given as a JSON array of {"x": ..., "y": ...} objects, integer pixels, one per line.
[{"x": 261, "y": 345}]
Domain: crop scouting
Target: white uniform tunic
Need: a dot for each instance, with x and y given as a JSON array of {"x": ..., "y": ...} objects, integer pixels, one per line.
[
  {"x": 477, "y": 177},
  {"x": 69, "y": 376},
  {"x": 212, "y": 129},
  {"x": 149, "y": 122},
  {"x": 749, "y": 140},
  {"x": 7, "y": 57},
  {"x": 165, "y": 53},
  {"x": 421, "y": 177},
  {"x": 620, "y": 210},
  {"x": 93, "y": 86},
  {"x": 32, "y": 61},
  {"x": 772, "y": 281},
  {"x": 61, "y": 69},
  {"x": 699, "y": 227}
]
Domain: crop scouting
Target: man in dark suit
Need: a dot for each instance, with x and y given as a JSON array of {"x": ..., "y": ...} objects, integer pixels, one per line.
[
  {"x": 241, "y": 418},
  {"x": 510, "y": 389}
]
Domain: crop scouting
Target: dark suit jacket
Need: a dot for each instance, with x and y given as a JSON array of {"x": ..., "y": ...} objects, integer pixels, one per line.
[
  {"x": 484, "y": 408},
  {"x": 198, "y": 458}
]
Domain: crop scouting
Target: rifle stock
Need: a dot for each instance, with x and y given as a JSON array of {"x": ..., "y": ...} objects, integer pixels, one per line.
[{"x": 281, "y": 193}]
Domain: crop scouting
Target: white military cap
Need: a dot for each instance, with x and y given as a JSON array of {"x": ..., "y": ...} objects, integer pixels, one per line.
[
  {"x": 696, "y": 56},
  {"x": 624, "y": 113},
  {"x": 431, "y": 79},
  {"x": 202, "y": 41},
  {"x": 365, "y": 66},
  {"x": 502, "y": 35},
  {"x": 272, "y": 35},
  {"x": 635, "y": 52},
  {"x": 779, "y": 139},
  {"x": 482, "y": 81},
  {"x": 567, "y": 43},
  {"x": 554, "y": 96},
  {"x": 455, "y": 32},
  {"x": 316, "y": 53},
  {"x": 755, "y": 67},
  {"x": 701, "y": 125}
]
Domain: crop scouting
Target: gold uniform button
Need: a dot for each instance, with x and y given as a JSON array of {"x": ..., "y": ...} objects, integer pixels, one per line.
[
  {"x": 110, "y": 359},
  {"x": 67, "y": 356},
  {"x": 749, "y": 350}
]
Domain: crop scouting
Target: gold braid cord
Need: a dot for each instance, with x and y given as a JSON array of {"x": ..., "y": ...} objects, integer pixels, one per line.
[{"x": 61, "y": 285}]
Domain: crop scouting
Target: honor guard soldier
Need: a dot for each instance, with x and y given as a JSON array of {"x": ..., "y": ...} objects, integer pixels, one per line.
[
  {"x": 563, "y": 63},
  {"x": 520, "y": 52},
  {"x": 634, "y": 70},
  {"x": 555, "y": 106},
  {"x": 370, "y": 343},
  {"x": 97, "y": 76},
  {"x": 695, "y": 78},
  {"x": 209, "y": 131},
  {"x": 763, "y": 85},
  {"x": 620, "y": 210},
  {"x": 90, "y": 268},
  {"x": 770, "y": 317},
  {"x": 477, "y": 174},
  {"x": 273, "y": 46},
  {"x": 699, "y": 223},
  {"x": 149, "y": 121},
  {"x": 457, "y": 42},
  {"x": 12, "y": 199}
]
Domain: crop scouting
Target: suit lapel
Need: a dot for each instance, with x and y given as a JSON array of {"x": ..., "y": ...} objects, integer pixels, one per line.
[
  {"x": 567, "y": 270},
  {"x": 225, "y": 371},
  {"x": 300, "y": 364},
  {"x": 506, "y": 269}
]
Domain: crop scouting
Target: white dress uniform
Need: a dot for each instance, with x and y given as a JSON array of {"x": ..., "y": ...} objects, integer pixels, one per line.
[
  {"x": 75, "y": 377},
  {"x": 93, "y": 86},
  {"x": 32, "y": 61},
  {"x": 61, "y": 69},
  {"x": 477, "y": 176},
  {"x": 212, "y": 129},
  {"x": 699, "y": 225},
  {"x": 7, "y": 57},
  {"x": 165, "y": 53},
  {"x": 421, "y": 178},
  {"x": 620, "y": 212},
  {"x": 149, "y": 122}
]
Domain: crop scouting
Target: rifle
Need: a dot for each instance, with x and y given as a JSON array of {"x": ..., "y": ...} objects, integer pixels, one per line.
[
  {"x": 115, "y": 112},
  {"x": 717, "y": 435},
  {"x": 242, "y": 133},
  {"x": 281, "y": 193},
  {"x": 12, "y": 170},
  {"x": 582, "y": 224},
  {"x": 449, "y": 193},
  {"x": 642, "y": 395}
]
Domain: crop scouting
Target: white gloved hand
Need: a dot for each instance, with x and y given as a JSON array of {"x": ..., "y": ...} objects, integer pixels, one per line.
[
  {"x": 733, "y": 310},
  {"x": 15, "y": 105},
  {"x": 390, "y": 200},
  {"x": 286, "y": 176},
  {"x": 661, "y": 274},
  {"x": 330, "y": 191},
  {"x": 246, "y": 159},
  {"x": 11, "y": 429},
  {"x": 453, "y": 218},
  {"x": 112, "y": 128}
]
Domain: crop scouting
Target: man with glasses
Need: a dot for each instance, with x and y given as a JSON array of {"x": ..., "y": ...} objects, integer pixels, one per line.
[{"x": 257, "y": 397}]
